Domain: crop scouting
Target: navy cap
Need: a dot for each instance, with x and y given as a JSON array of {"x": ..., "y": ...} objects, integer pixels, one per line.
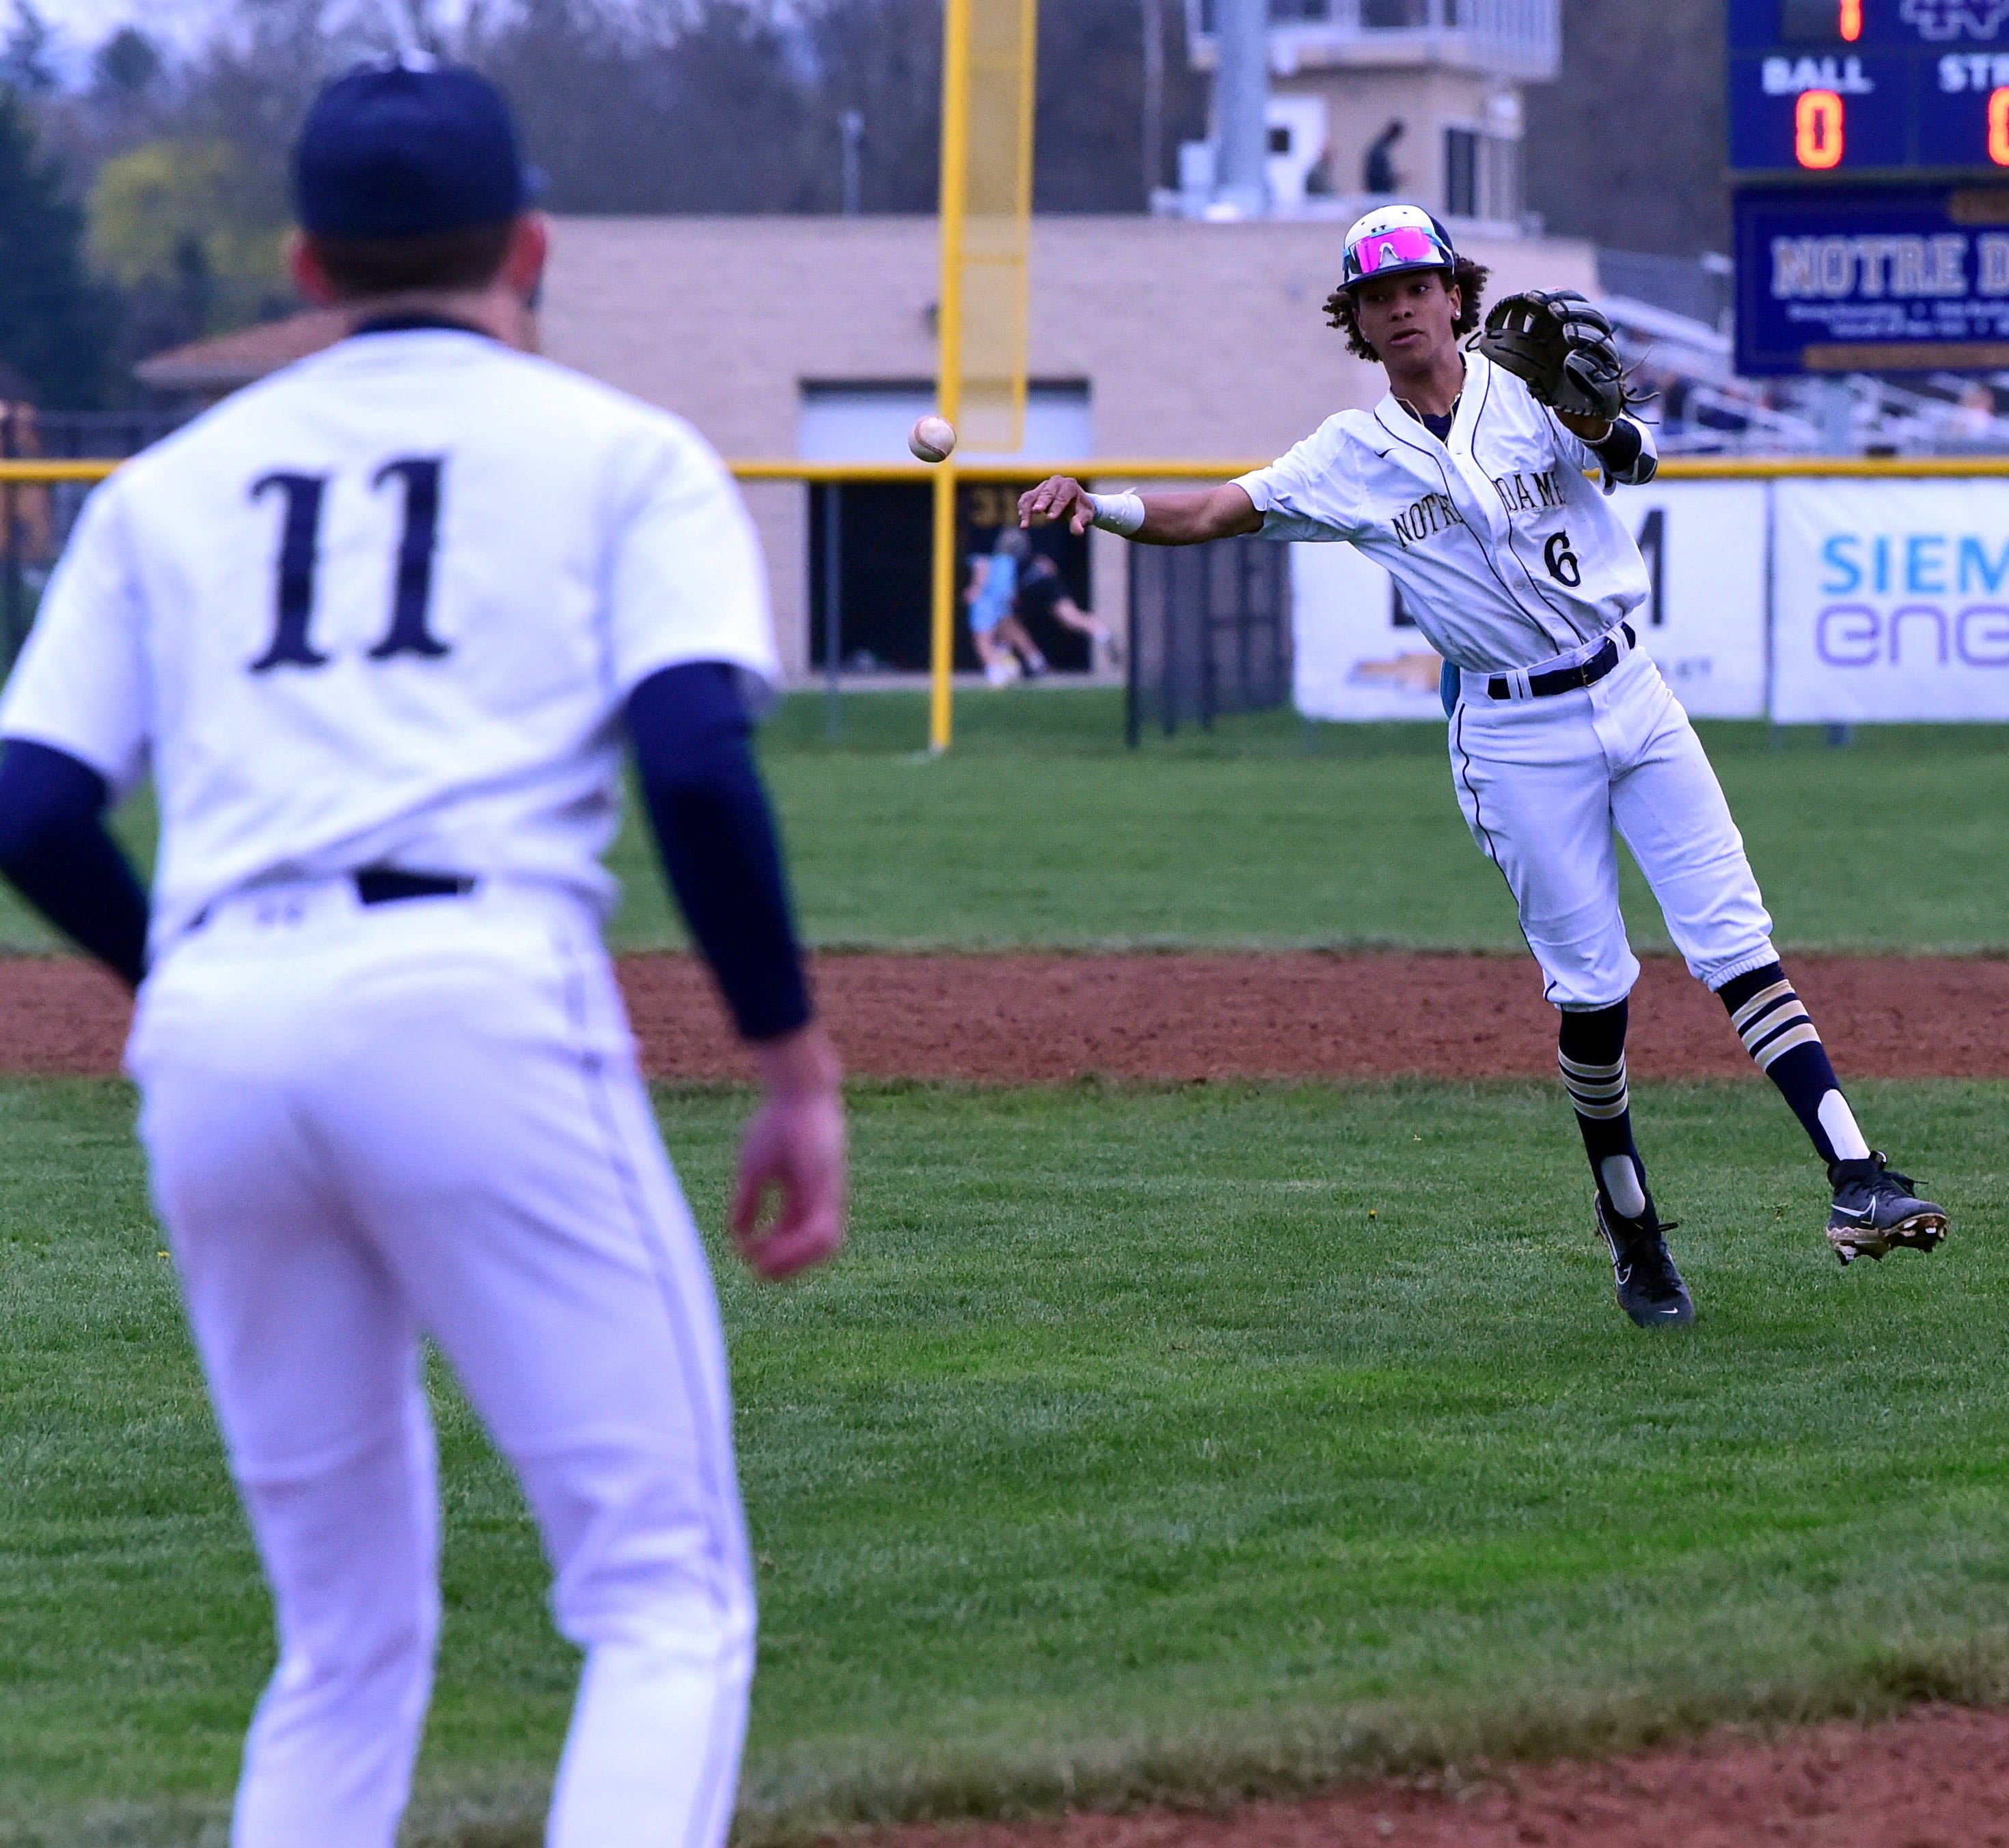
[{"x": 392, "y": 152}]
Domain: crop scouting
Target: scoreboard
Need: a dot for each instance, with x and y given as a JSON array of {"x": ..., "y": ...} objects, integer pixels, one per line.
[
  {"x": 1870, "y": 140},
  {"x": 1868, "y": 89}
]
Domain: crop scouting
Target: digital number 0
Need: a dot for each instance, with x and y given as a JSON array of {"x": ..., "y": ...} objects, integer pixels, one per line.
[
  {"x": 1817, "y": 129},
  {"x": 1998, "y": 127}
]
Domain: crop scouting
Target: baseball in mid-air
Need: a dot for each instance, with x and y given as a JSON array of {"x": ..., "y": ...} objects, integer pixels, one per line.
[{"x": 932, "y": 439}]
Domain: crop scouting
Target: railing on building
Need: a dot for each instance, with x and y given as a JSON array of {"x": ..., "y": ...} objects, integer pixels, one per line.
[{"x": 1521, "y": 38}]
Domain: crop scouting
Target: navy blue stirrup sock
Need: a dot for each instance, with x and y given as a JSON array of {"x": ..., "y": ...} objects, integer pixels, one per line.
[
  {"x": 1780, "y": 1037},
  {"x": 1591, "y": 1053}
]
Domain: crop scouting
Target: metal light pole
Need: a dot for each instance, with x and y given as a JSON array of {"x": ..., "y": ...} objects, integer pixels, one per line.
[
  {"x": 851, "y": 125},
  {"x": 1241, "y": 99},
  {"x": 1153, "y": 21}
]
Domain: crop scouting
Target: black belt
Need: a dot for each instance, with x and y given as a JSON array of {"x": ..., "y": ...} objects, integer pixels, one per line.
[
  {"x": 387, "y": 885},
  {"x": 1567, "y": 680}
]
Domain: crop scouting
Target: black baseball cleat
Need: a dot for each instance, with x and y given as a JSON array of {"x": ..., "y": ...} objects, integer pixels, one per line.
[
  {"x": 1875, "y": 1211},
  {"x": 1650, "y": 1289}
]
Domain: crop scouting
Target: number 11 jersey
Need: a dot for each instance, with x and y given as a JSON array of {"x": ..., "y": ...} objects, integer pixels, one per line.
[{"x": 385, "y": 608}]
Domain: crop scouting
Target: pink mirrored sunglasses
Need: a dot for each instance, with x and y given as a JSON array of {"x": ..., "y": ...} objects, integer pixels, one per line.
[{"x": 1399, "y": 248}]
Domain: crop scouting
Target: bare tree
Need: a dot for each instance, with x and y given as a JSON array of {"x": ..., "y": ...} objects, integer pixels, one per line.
[
  {"x": 714, "y": 118},
  {"x": 1662, "y": 192},
  {"x": 882, "y": 58},
  {"x": 1094, "y": 107}
]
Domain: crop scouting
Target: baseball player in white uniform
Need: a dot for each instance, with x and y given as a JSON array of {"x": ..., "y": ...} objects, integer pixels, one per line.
[
  {"x": 1469, "y": 482},
  {"x": 382, "y": 629}
]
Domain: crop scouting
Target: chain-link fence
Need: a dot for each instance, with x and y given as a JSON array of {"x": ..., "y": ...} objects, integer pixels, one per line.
[{"x": 1210, "y": 633}]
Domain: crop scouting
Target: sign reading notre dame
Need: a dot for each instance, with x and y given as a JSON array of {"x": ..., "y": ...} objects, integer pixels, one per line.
[{"x": 1889, "y": 279}]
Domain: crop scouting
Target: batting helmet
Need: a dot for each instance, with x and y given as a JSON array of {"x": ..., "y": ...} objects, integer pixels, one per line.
[{"x": 1393, "y": 238}]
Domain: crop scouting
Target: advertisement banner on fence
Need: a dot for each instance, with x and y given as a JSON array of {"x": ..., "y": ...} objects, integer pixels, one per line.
[
  {"x": 1891, "y": 601},
  {"x": 1359, "y": 656}
]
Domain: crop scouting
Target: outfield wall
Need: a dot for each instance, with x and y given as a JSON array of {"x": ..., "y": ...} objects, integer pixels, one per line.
[{"x": 1808, "y": 600}]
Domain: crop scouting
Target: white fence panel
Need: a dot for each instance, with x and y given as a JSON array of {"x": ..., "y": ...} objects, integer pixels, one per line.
[
  {"x": 1891, "y": 600},
  {"x": 1705, "y": 545}
]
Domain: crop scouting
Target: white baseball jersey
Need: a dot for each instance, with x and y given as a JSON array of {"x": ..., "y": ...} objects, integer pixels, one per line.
[
  {"x": 1506, "y": 554},
  {"x": 385, "y": 608},
  {"x": 1508, "y": 557}
]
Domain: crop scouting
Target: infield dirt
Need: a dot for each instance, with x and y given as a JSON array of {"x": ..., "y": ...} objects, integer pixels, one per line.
[
  {"x": 1936, "y": 1778},
  {"x": 1011, "y": 1019}
]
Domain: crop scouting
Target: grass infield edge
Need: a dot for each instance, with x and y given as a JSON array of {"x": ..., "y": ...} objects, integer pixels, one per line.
[{"x": 1272, "y": 1754}]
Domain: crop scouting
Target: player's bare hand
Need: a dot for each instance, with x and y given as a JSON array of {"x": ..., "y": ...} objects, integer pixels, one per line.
[
  {"x": 1059, "y": 497},
  {"x": 794, "y": 1152}
]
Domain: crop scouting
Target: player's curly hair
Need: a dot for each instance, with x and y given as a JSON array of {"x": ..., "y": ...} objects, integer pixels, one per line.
[{"x": 1469, "y": 278}]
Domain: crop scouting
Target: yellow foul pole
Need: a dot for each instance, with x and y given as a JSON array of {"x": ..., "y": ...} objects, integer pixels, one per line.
[
  {"x": 989, "y": 60},
  {"x": 948, "y": 375}
]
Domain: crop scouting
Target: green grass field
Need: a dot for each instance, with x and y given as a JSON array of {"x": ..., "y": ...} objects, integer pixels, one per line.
[
  {"x": 1189, "y": 1440},
  {"x": 1041, "y": 830},
  {"x": 1178, "y": 1441}
]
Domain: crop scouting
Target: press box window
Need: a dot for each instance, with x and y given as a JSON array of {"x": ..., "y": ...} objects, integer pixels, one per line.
[
  {"x": 1482, "y": 176},
  {"x": 1461, "y": 173}
]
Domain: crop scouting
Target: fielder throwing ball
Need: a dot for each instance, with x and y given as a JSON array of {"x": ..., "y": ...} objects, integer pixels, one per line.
[
  {"x": 382, "y": 628},
  {"x": 1469, "y": 483}
]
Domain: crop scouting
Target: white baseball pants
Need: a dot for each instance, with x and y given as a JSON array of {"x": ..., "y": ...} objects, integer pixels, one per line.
[
  {"x": 369, "y": 1124},
  {"x": 1543, "y": 783}
]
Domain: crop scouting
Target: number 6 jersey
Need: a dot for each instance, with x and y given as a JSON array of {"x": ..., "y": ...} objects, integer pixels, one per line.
[
  {"x": 385, "y": 608},
  {"x": 1506, "y": 554}
]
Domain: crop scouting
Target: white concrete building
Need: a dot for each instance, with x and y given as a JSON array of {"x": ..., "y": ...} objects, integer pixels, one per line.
[{"x": 1343, "y": 72}]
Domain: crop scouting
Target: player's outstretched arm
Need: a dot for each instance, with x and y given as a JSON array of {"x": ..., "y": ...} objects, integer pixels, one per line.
[
  {"x": 1163, "y": 518},
  {"x": 689, "y": 728}
]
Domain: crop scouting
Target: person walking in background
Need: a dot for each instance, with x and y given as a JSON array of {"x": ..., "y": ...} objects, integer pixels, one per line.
[
  {"x": 1044, "y": 592},
  {"x": 1000, "y": 638}
]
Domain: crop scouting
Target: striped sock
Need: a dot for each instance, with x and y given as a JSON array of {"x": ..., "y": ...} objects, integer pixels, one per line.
[
  {"x": 1771, "y": 1020},
  {"x": 1784, "y": 1044},
  {"x": 1597, "y": 1091},
  {"x": 1591, "y": 1056}
]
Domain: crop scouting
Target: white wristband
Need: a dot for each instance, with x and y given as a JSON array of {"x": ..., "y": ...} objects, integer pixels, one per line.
[{"x": 1119, "y": 513}]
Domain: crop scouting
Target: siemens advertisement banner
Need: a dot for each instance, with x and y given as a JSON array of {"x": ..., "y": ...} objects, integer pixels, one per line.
[
  {"x": 1359, "y": 656},
  {"x": 1891, "y": 600}
]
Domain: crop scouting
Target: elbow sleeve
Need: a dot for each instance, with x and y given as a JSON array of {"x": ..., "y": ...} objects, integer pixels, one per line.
[
  {"x": 719, "y": 848},
  {"x": 54, "y": 850},
  {"x": 44, "y": 794}
]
